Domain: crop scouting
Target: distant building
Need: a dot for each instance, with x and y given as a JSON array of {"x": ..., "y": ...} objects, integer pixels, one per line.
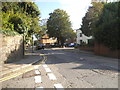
[
  {"x": 81, "y": 37},
  {"x": 47, "y": 41}
]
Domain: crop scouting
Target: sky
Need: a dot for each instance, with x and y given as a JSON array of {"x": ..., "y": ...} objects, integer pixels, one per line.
[{"x": 76, "y": 9}]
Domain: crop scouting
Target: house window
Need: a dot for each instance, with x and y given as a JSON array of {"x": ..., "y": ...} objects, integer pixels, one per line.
[{"x": 80, "y": 34}]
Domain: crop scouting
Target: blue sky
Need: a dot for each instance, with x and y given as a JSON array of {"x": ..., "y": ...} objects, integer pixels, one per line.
[
  {"x": 76, "y": 9},
  {"x": 47, "y": 7}
]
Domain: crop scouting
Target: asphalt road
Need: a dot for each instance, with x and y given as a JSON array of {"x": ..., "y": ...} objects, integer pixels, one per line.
[
  {"x": 83, "y": 69},
  {"x": 73, "y": 69}
]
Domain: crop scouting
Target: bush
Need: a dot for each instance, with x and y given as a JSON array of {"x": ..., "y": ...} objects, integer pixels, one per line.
[
  {"x": 91, "y": 42},
  {"x": 9, "y": 32}
]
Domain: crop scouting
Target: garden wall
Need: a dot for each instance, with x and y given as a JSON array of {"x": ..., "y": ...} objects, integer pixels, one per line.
[
  {"x": 11, "y": 48},
  {"x": 86, "y": 48},
  {"x": 101, "y": 49}
]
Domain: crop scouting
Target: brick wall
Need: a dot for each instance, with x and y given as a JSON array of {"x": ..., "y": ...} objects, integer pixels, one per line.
[
  {"x": 11, "y": 48},
  {"x": 100, "y": 49},
  {"x": 86, "y": 48}
]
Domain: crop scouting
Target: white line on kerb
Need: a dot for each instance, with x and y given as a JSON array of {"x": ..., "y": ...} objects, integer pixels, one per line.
[
  {"x": 48, "y": 70},
  {"x": 37, "y": 72},
  {"x": 38, "y": 79},
  {"x": 58, "y": 86},
  {"x": 52, "y": 76},
  {"x": 44, "y": 65}
]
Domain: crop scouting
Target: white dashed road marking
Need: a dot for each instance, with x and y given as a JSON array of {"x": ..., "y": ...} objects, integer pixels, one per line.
[
  {"x": 36, "y": 67},
  {"x": 39, "y": 88},
  {"x": 58, "y": 86},
  {"x": 44, "y": 65},
  {"x": 48, "y": 70},
  {"x": 52, "y": 76},
  {"x": 37, "y": 72},
  {"x": 38, "y": 79}
]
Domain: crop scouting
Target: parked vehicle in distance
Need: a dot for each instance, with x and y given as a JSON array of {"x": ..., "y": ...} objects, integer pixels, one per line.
[
  {"x": 40, "y": 46},
  {"x": 71, "y": 45}
]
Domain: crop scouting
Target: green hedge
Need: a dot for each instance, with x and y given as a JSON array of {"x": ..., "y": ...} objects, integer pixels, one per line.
[
  {"x": 9, "y": 33},
  {"x": 107, "y": 31}
]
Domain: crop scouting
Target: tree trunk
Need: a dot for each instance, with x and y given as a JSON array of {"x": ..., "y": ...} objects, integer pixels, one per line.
[
  {"x": 62, "y": 42},
  {"x": 58, "y": 41}
]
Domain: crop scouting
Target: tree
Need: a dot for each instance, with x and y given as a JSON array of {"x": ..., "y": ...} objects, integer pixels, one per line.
[
  {"x": 43, "y": 26},
  {"x": 59, "y": 26},
  {"x": 107, "y": 31},
  {"x": 91, "y": 17},
  {"x": 21, "y": 17}
]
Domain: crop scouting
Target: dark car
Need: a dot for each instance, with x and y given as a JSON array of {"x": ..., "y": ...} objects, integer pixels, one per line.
[{"x": 40, "y": 46}]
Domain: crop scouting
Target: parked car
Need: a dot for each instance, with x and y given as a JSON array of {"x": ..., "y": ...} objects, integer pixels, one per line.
[
  {"x": 71, "y": 45},
  {"x": 40, "y": 46}
]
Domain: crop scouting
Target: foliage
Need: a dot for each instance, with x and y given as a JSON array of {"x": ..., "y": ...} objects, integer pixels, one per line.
[
  {"x": 88, "y": 23},
  {"x": 91, "y": 42},
  {"x": 107, "y": 31},
  {"x": 5, "y": 22},
  {"x": 43, "y": 26},
  {"x": 59, "y": 26},
  {"x": 8, "y": 32},
  {"x": 102, "y": 21},
  {"x": 20, "y": 17}
]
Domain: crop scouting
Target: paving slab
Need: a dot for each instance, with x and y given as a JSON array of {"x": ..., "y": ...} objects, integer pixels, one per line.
[{"x": 20, "y": 66}]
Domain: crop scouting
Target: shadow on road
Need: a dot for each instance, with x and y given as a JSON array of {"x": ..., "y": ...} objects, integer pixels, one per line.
[
  {"x": 29, "y": 57},
  {"x": 86, "y": 60}
]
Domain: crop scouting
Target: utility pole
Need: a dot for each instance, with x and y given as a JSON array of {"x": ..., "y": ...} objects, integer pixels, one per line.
[
  {"x": 23, "y": 43},
  {"x": 32, "y": 44}
]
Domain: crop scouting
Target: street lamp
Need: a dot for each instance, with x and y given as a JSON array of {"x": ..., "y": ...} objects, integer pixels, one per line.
[{"x": 32, "y": 44}]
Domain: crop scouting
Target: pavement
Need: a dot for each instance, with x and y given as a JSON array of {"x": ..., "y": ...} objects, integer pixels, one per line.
[{"x": 12, "y": 70}]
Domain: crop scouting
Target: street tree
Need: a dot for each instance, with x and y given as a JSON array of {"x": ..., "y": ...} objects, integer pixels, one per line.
[
  {"x": 107, "y": 29},
  {"x": 59, "y": 26},
  {"x": 91, "y": 17},
  {"x": 43, "y": 27},
  {"x": 21, "y": 17}
]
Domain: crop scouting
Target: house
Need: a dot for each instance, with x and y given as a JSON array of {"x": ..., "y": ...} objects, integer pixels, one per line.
[
  {"x": 47, "y": 41},
  {"x": 81, "y": 37}
]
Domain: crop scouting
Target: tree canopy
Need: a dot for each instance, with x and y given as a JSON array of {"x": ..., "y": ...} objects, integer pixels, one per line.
[
  {"x": 43, "y": 26},
  {"x": 102, "y": 21},
  {"x": 59, "y": 26},
  {"x": 20, "y": 17},
  {"x": 107, "y": 31},
  {"x": 92, "y": 15}
]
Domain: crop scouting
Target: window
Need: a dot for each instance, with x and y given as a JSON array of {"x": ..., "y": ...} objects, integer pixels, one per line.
[{"x": 80, "y": 34}]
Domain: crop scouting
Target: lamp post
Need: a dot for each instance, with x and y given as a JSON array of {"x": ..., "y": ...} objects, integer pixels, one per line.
[
  {"x": 23, "y": 45},
  {"x": 32, "y": 44}
]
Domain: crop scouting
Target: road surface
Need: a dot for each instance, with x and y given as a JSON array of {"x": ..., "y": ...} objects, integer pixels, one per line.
[{"x": 72, "y": 69}]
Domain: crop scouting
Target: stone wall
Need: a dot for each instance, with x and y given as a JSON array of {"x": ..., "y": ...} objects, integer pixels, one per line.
[{"x": 11, "y": 48}]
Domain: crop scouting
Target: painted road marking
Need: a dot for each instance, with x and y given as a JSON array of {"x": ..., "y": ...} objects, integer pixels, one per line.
[
  {"x": 44, "y": 65},
  {"x": 15, "y": 74},
  {"x": 58, "y": 86},
  {"x": 36, "y": 67},
  {"x": 51, "y": 76},
  {"x": 37, "y": 72},
  {"x": 38, "y": 79},
  {"x": 39, "y": 88},
  {"x": 48, "y": 70}
]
